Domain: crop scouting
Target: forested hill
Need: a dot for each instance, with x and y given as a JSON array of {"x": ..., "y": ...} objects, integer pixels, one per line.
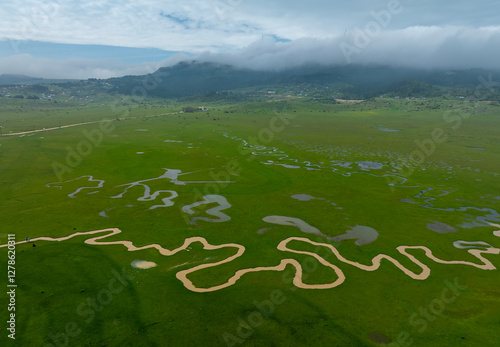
[
  {"x": 189, "y": 78},
  {"x": 348, "y": 82},
  {"x": 7, "y": 79}
]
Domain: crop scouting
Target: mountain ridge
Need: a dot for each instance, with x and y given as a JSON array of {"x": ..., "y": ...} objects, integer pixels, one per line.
[{"x": 189, "y": 78}]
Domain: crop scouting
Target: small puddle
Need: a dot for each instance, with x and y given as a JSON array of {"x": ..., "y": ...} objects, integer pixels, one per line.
[
  {"x": 477, "y": 148},
  {"x": 303, "y": 197},
  {"x": 441, "y": 227},
  {"x": 143, "y": 264},
  {"x": 389, "y": 130}
]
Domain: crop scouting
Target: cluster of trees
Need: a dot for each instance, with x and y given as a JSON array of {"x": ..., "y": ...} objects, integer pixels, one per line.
[
  {"x": 189, "y": 109},
  {"x": 37, "y": 88},
  {"x": 29, "y": 97},
  {"x": 415, "y": 89}
]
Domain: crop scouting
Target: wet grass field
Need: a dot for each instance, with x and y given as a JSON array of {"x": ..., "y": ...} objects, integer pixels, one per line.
[{"x": 418, "y": 173}]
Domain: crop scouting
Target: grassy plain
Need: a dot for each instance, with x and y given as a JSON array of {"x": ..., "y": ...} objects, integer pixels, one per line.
[{"x": 299, "y": 147}]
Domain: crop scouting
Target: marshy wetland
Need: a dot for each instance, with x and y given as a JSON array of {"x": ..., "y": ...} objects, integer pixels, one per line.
[{"x": 322, "y": 203}]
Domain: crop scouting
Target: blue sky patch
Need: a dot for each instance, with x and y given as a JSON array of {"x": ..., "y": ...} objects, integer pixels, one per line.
[{"x": 59, "y": 51}]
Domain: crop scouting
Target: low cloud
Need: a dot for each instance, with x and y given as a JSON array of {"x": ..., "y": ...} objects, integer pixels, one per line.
[
  {"x": 417, "y": 47},
  {"x": 25, "y": 64},
  {"x": 426, "y": 47},
  {"x": 421, "y": 34}
]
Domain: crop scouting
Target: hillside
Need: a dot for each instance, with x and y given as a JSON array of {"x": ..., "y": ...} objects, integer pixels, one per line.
[
  {"x": 212, "y": 80},
  {"x": 7, "y": 79},
  {"x": 354, "y": 81}
]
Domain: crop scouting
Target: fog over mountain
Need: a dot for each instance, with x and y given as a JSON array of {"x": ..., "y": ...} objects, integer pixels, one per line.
[
  {"x": 418, "y": 47},
  {"x": 89, "y": 39}
]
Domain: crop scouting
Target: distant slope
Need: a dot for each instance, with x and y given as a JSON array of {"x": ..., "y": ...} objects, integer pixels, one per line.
[
  {"x": 7, "y": 79},
  {"x": 349, "y": 81},
  {"x": 189, "y": 78}
]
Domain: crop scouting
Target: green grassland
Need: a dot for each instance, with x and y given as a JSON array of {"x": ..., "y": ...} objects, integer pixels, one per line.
[{"x": 291, "y": 146}]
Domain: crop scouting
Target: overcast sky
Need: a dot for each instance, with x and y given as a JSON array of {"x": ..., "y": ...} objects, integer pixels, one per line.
[{"x": 105, "y": 38}]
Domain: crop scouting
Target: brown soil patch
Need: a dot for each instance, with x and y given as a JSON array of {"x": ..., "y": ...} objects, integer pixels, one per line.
[{"x": 380, "y": 338}]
